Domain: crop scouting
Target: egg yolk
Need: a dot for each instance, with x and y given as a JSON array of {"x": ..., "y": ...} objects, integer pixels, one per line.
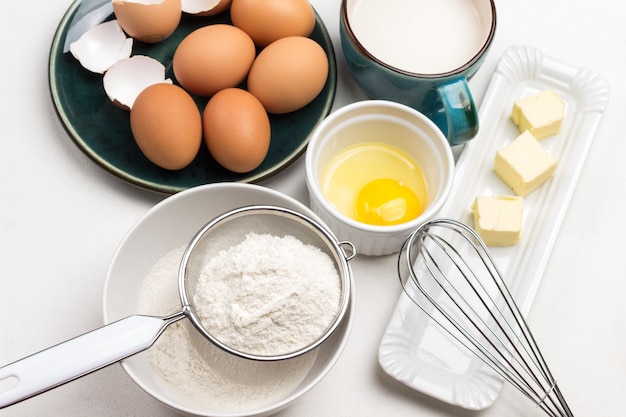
[
  {"x": 385, "y": 201},
  {"x": 375, "y": 183}
]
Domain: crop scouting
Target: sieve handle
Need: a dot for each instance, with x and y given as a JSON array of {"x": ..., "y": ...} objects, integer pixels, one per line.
[{"x": 79, "y": 356}]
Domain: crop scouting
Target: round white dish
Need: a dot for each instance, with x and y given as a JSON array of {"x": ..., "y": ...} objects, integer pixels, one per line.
[
  {"x": 170, "y": 225},
  {"x": 393, "y": 124}
]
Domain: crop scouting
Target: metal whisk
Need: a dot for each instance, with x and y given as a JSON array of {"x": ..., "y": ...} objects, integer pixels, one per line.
[{"x": 457, "y": 283}]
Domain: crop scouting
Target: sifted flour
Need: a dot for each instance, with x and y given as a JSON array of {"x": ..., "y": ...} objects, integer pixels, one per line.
[
  {"x": 192, "y": 368},
  {"x": 268, "y": 294}
]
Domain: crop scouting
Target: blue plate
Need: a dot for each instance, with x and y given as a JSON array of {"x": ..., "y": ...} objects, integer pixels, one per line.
[{"x": 102, "y": 130}]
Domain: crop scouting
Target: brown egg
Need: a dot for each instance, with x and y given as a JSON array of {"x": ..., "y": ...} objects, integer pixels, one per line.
[
  {"x": 236, "y": 130},
  {"x": 288, "y": 74},
  {"x": 167, "y": 125},
  {"x": 212, "y": 58},
  {"x": 148, "y": 21},
  {"x": 269, "y": 20}
]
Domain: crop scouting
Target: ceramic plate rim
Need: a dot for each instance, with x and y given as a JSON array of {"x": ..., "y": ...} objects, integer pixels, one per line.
[{"x": 162, "y": 186}]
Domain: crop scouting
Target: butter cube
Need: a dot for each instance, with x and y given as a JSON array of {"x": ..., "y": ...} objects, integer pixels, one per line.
[
  {"x": 524, "y": 164},
  {"x": 541, "y": 113},
  {"x": 498, "y": 219}
]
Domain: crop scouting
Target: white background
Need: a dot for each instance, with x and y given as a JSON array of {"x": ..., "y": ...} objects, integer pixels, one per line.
[{"x": 62, "y": 217}]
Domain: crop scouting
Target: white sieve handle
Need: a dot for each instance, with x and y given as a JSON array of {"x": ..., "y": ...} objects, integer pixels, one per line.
[{"x": 79, "y": 356}]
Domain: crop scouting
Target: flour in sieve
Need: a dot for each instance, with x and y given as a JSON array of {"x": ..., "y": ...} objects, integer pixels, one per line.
[
  {"x": 268, "y": 295},
  {"x": 198, "y": 373}
]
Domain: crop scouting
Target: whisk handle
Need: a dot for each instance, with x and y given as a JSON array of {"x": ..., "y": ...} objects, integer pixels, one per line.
[{"x": 79, "y": 356}]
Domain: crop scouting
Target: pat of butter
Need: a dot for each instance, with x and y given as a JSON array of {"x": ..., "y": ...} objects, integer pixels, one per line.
[
  {"x": 541, "y": 113},
  {"x": 498, "y": 219},
  {"x": 524, "y": 164}
]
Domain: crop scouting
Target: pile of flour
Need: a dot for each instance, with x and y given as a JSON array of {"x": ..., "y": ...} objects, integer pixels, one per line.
[
  {"x": 268, "y": 295},
  {"x": 192, "y": 368}
]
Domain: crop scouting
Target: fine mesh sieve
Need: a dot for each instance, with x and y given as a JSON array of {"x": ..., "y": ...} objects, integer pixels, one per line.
[
  {"x": 77, "y": 357},
  {"x": 229, "y": 230}
]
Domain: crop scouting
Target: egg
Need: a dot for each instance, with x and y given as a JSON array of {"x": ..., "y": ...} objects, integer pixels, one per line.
[
  {"x": 149, "y": 21},
  {"x": 375, "y": 183},
  {"x": 167, "y": 125},
  {"x": 269, "y": 20},
  {"x": 288, "y": 74},
  {"x": 213, "y": 58},
  {"x": 236, "y": 130}
]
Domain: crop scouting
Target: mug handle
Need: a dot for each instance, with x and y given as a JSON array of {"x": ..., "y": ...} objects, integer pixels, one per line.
[{"x": 461, "y": 114}]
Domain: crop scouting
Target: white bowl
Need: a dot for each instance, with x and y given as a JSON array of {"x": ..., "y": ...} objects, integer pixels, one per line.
[
  {"x": 169, "y": 225},
  {"x": 393, "y": 124}
]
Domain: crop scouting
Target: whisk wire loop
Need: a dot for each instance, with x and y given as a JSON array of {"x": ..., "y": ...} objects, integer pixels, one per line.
[
  {"x": 484, "y": 343},
  {"x": 446, "y": 269}
]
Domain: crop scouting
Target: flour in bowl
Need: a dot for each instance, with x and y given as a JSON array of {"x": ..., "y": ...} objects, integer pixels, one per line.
[
  {"x": 193, "y": 369},
  {"x": 268, "y": 295}
]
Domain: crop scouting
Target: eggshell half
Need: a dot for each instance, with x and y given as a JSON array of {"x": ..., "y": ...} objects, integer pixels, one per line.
[
  {"x": 128, "y": 77},
  {"x": 205, "y": 7},
  {"x": 102, "y": 46},
  {"x": 149, "y": 21}
]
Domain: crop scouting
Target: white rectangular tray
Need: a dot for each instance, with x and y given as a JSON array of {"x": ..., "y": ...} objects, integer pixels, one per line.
[{"x": 414, "y": 349}]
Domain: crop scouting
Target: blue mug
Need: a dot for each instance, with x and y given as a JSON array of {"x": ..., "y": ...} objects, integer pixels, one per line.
[{"x": 420, "y": 53}]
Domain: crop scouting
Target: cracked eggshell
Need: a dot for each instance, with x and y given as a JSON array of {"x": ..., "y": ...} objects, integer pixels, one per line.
[
  {"x": 101, "y": 47},
  {"x": 205, "y": 7},
  {"x": 127, "y": 78},
  {"x": 149, "y": 21}
]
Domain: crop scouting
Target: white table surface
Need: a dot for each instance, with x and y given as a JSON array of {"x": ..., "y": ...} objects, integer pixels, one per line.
[{"x": 62, "y": 217}]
